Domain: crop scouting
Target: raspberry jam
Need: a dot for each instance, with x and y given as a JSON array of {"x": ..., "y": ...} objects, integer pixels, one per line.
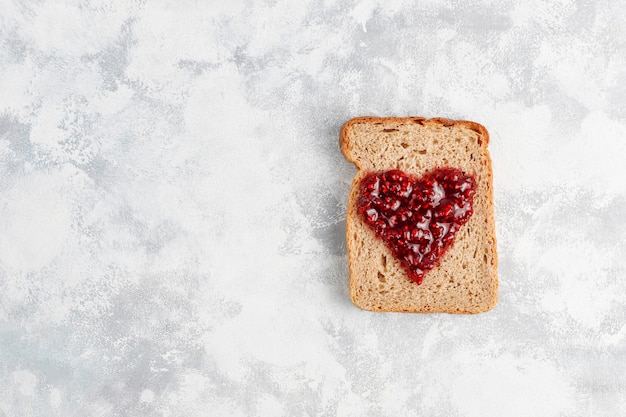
[{"x": 417, "y": 217}]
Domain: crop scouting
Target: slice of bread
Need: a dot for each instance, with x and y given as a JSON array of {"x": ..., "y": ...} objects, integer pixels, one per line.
[{"x": 465, "y": 278}]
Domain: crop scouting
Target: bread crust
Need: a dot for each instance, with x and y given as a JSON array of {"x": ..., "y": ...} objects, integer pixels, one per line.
[{"x": 347, "y": 149}]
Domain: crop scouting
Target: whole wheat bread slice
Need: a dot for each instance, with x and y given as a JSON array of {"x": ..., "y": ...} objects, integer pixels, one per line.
[{"x": 465, "y": 279}]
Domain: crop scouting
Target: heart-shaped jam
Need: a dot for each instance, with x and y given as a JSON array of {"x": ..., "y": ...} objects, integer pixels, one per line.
[{"x": 417, "y": 217}]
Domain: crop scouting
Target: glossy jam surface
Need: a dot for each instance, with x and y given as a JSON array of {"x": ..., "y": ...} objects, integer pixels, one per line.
[{"x": 417, "y": 217}]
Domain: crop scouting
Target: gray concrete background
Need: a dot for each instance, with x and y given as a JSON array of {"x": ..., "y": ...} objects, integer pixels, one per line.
[{"x": 172, "y": 203}]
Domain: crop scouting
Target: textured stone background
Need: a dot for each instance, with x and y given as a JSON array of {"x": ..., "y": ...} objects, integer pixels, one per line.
[{"x": 172, "y": 203}]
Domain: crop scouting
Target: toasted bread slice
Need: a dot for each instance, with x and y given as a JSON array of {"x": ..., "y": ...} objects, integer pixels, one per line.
[{"x": 465, "y": 278}]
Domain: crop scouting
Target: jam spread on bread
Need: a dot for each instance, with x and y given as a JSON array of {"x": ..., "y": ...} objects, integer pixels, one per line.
[{"x": 417, "y": 217}]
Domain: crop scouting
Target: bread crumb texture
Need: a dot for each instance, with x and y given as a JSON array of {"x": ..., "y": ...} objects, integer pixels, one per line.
[{"x": 465, "y": 279}]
